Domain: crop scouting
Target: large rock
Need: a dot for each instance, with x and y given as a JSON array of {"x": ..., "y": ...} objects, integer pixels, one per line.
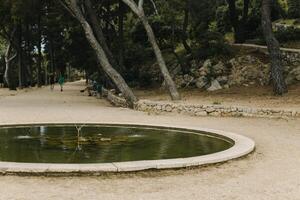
[
  {"x": 222, "y": 80},
  {"x": 179, "y": 81},
  {"x": 293, "y": 76},
  {"x": 207, "y": 64},
  {"x": 206, "y": 68},
  {"x": 219, "y": 68},
  {"x": 248, "y": 69},
  {"x": 215, "y": 85},
  {"x": 188, "y": 78},
  {"x": 184, "y": 81}
]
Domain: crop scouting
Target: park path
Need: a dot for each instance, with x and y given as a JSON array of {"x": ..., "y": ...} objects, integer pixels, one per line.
[{"x": 270, "y": 173}]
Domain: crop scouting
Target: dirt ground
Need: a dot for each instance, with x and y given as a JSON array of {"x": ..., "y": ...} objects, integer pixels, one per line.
[
  {"x": 253, "y": 96},
  {"x": 270, "y": 173}
]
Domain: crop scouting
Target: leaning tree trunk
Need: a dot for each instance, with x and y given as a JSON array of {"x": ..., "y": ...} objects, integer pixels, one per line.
[
  {"x": 39, "y": 61},
  {"x": 138, "y": 10},
  {"x": 279, "y": 85},
  {"x": 100, "y": 53}
]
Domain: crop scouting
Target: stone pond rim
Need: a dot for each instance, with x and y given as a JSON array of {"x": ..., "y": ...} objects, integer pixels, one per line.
[{"x": 242, "y": 146}]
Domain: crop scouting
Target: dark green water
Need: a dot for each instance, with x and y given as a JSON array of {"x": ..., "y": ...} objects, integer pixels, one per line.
[{"x": 102, "y": 143}]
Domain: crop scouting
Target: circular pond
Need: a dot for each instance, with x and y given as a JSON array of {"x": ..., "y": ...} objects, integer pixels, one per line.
[
  {"x": 94, "y": 148},
  {"x": 104, "y": 143}
]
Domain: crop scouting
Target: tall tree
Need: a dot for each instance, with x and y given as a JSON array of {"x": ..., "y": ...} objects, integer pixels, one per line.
[
  {"x": 75, "y": 9},
  {"x": 139, "y": 11},
  {"x": 279, "y": 85}
]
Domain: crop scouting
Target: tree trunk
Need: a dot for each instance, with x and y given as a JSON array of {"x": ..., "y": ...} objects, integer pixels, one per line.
[
  {"x": 161, "y": 62},
  {"x": 20, "y": 58},
  {"x": 39, "y": 60},
  {"x": 184, "y": 29},
  {"x": 52, "y": 61},
  {"x": 101, "y": 55},
  {"x": 279, "y": 85},
  {"x": 121, "y": 33},
  {"x": 28, "y": 74},
  {"x": 151, "y": 37},
  {"x": 8, "y": 70},
  {"x": 238, "y": 26}
]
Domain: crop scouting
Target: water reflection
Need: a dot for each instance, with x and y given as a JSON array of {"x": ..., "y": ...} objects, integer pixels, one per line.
[{"x": 98, "y": 144}]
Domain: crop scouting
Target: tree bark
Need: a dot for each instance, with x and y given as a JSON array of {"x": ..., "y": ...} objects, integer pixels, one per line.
[
  {"x": 20, "y": 58},
  {"x": 39, "y": 61},
  {"x": 8, "y": 73},
  {"x": 28, "y": 72},
  {"x": 138, "y": 10},
  {"x": 8, "y": 69},
  {"x": 101, "y": 55},
  {"x": 121, "y": 33},
  {"x": 279, "y": 85},
  {"x": 52, "y": 61},
  {"x": 184, "y": 29}
]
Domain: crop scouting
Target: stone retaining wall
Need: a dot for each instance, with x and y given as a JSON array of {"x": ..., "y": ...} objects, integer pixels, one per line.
[
  {"x": 159, "y": 107},
  {"x": 291, "y": 56},
  {"x": 212, "y": 110}
]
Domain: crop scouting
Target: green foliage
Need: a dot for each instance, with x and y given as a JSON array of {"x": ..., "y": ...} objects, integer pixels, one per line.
[
  {"x": 207, "y": 22},
  {"x": 2, "y": 46},
  {"x": 293, "y": 8},
  {"x": 210, "y": 44},
  {"x": 288, "y": 34},
  {"x": 222, "y": 19}
]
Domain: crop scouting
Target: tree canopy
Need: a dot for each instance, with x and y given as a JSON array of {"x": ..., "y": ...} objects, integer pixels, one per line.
[{"x": 122, "y": 42}]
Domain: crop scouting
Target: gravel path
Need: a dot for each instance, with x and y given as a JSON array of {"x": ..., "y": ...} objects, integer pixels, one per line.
[{"x": 271, "y": 172}]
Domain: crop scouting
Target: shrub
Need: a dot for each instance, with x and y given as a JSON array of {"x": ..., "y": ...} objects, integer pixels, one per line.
[
  {"x": 294, "y": 8},
  {"x": 288, "y": 34}
]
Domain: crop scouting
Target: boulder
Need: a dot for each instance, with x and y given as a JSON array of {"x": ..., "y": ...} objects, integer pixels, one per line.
[
  {"x": 179, "y": 81},
  {"x": 184, "y": 81},
  {"x": 219, "y": 68},
  {"x": 248, "y": 69},
  {"x": 215, "y": 85},
  {"x": 293, "y": 76},
  {"x": 222, "y": 80},
  {"x": 188, "y": 78},
  {"x": 207, "y": 64},
  {"x": 206, "y": 68}
]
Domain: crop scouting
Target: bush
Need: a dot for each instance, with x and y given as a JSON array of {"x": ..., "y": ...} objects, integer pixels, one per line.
[
  {"x": 210, "y": 44},
  {"x": 288, "y": 34},
  {"x": 223, "y": 19},
  {"x": 294, "y": 9}
]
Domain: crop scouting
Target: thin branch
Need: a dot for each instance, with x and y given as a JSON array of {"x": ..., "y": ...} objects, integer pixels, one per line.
[
  {"x": 13, "y": 57},
  {"x": 67, "y": 8},
  {"x": 154, "y": 6}
]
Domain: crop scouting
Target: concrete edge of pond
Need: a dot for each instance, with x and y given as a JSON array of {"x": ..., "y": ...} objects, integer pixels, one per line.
[{"x": 242, "y": 147}]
